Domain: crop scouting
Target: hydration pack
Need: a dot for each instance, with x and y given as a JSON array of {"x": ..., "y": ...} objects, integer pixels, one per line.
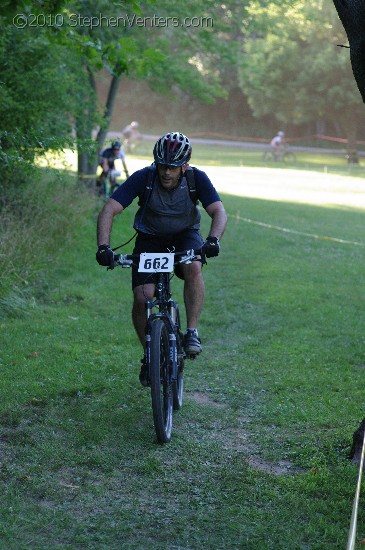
[{"x": 190, "y": 178}]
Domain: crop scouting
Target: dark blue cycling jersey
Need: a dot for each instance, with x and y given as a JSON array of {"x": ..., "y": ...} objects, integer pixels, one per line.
[
  {"x": 111, "y": 155},
  {"x": 135, "y": 185},
  {"x": 165, "y": 212}
]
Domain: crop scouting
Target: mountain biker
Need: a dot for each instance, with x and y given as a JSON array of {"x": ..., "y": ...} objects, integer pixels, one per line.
[
  {"x": 167, "y": 219},
  {"x": 107, "y": 162},
  {"x": 131, "y": 136},
  {"x": 130, "y": 130},
  {"x": 278, "y": 145}
]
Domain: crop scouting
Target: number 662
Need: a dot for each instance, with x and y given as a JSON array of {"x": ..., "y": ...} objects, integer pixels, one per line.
[{"x": 156, "y": 263}]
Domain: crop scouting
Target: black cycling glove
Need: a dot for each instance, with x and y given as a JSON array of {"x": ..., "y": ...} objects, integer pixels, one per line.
[
  {"x": 105, "y": 255},
  {"x": 211, "y": 247}
]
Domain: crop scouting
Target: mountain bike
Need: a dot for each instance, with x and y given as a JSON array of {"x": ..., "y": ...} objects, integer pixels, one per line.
[
  {"x": 106, "y": 185},
  {"x": 164, "y": 341},
  {"x": 275, "y": 156}
]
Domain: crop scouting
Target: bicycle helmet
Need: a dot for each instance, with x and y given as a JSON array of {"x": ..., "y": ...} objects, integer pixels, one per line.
[
  {"x": 116, "y": 145},
  {"x": 173, "y": 149},
  {"x": 281, "y": 133}
]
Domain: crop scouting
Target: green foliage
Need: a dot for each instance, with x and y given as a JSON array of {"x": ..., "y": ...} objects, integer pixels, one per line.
[
  {"x": 35, "y": 97},
  {"x": 292, "y": 66},
  {"x": 197, "y": 57},
  {"x": 45, "y": 102},
  {"x": 145, "y": 48},
  {"x": 40, "y": 210},
  {"x": 9, "y": 8}
]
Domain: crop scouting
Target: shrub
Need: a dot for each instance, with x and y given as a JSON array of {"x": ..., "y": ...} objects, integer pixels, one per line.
[{"x": 38, "y": 216}]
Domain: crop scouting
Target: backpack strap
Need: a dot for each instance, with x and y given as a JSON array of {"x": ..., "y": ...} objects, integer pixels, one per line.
[
  {"x": 190, "y": 178},
  {"x": 145, "y": 195}
]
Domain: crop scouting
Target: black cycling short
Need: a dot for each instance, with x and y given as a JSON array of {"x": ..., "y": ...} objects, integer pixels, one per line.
[{"x": 186, "y": 240}]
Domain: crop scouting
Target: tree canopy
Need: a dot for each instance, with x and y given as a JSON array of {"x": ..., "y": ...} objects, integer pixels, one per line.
[
  {"x": 292, "y": 65},
  {"x": 61, "y": 46},
  {"x": 284, "y": 56}
]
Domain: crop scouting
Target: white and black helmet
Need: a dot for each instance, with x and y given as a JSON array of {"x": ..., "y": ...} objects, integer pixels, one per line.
[{"x": 173, "y": 149}]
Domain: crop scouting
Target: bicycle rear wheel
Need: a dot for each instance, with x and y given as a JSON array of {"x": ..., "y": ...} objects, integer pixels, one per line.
[{"x": 161, "y": 382}]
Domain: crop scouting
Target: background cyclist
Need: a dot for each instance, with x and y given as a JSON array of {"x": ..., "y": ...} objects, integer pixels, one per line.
[
  {"x": 107, "y": 162},
  {"x": 131, "y": 136},
  {"x": 278, "y": 145}
]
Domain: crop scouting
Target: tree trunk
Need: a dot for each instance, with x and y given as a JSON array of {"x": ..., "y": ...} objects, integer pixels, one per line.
[
  {"x": 352, "y": 15},
  {"x": 84, "y": 127},
  {"x": 87, "y": 161},
  {"x": 112, "y": 94}
]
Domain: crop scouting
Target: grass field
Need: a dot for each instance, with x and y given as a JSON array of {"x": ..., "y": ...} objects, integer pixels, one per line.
[
  {"x": 258, "y": 457},
  {"x": 215, "y": 155},
  {"x": 218, "y": 155}
]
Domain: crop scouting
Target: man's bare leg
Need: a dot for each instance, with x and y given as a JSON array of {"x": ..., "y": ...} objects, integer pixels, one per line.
[
  {"x": 194, "y": 290},
  {"x": 141, "y": 293},
  {"x": 194, "y": 298}
]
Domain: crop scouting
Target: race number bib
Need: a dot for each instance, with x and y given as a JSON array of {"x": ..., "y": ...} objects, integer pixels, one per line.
[{"x": 151, "y": 262}]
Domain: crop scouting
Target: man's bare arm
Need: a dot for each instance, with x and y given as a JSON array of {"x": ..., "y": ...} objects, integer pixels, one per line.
[
  {"x": 105, "y": 221},
  {"x": 105, "y": 166},
  {"x": 219, "y": 219}
]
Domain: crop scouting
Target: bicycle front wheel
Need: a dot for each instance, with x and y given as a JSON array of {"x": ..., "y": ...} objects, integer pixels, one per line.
[{"x": 161, "y": 382}]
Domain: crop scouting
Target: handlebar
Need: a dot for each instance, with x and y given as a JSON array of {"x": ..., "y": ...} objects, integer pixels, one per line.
[{"x": 183, "y": 257}]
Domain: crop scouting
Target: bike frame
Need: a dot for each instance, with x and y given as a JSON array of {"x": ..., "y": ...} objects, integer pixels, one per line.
[
  {"x": 166, "y": 306},
  {"x": 109, "y": 183}
]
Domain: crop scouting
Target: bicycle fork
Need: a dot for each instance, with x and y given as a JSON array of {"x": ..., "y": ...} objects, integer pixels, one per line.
[
  {"x": 147, "y": 351},
  {"x": 173, "y": 355}
]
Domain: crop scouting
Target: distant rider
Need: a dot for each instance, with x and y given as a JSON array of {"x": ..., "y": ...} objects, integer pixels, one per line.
[
  {"x": 107, "y": 162},
  {"x": 131, "y": 136},
  {"x": 278, "y": 145}
]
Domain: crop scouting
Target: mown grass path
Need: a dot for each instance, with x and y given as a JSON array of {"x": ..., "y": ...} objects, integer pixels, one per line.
[{"x": 258, "y": 454}]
